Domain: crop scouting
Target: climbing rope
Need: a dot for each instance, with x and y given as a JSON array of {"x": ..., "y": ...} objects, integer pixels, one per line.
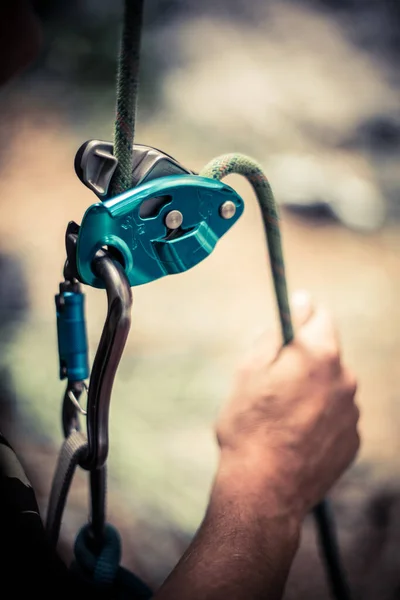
[
  {"x": 239, "y": 164},
  {"x": 229, "y": 164},
  {"x": 127, "y": 92}
]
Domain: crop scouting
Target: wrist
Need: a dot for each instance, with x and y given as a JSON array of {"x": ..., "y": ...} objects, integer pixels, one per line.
[
  {"x": 258, "y": 489},
  {"x": 244, "y": 547}
]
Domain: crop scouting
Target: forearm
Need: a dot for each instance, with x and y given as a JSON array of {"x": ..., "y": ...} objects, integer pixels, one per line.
[{"x": 242, "y": 551}]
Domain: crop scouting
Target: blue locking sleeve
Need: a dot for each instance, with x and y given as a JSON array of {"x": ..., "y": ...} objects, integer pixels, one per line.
[{"x": 72, "y": 338}]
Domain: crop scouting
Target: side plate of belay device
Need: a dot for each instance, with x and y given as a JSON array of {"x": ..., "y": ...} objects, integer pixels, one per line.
[{"x": 161, "y": 227}]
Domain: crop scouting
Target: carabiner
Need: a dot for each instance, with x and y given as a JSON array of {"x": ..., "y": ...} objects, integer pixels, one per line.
[
  {"x": 108, "y": 356},
  {"x": 91, "y": 453}
]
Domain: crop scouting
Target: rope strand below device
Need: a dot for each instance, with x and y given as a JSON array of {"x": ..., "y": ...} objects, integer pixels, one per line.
[{"x": 239, "y": 164}]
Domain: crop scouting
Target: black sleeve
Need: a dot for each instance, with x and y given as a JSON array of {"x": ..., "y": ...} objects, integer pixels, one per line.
[{"x": 28, "y": 566}]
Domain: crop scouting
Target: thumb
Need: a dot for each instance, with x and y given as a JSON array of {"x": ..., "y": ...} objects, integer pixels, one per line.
[{"x": 302, "y": 308}]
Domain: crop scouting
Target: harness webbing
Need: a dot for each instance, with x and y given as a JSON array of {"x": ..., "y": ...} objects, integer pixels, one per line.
[
  {"x": 72, "y": 451},
  {"x": 100, "y": 570}
]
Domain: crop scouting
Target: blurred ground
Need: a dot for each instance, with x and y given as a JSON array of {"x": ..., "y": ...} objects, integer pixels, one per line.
[{"x": 283, "y": 100}]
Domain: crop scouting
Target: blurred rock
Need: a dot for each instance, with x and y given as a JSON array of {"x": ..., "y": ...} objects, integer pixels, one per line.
[{"x": 346, "y": 191}]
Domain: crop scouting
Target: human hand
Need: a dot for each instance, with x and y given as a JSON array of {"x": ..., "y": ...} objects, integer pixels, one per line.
[{"x": 289, "y": 429}]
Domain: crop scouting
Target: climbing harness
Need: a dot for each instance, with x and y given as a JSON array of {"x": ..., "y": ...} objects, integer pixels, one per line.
[{"x": 153, "y": 218}]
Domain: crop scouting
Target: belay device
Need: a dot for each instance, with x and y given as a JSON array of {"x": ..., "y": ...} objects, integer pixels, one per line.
[{"x": 153, "y": 218}]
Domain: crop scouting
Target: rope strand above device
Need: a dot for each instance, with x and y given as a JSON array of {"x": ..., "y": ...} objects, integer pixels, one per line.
[{"x": 127, "y": 93}]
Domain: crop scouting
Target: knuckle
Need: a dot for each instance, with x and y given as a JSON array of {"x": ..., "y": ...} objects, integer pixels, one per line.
[
  {"x": 331, "y": 356},
  {"x": 356, "y": 411},
  {"x": 352, "y": 446},
  {"x": 220, "y": 432},
  {"x": 355, "y": 437},
  {"x": 358, "y": 435},
  {"x": 351, "y": 383},
  {"x": 357, "y": 441},
  {"x": 219, "y": 436}
]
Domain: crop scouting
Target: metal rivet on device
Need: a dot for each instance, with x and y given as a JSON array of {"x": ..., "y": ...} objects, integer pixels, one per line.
[
  {"x": 227, "y": 209},
  {"x": 174, "y": 219}
]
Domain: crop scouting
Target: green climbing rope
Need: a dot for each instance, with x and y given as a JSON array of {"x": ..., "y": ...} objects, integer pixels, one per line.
[
  {"x": 228, "y": 164},
  {"x": 239, "y": 164},
  {"x": 127, "y": 92}
]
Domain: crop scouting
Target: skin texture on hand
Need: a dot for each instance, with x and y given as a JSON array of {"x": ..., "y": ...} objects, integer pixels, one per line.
[
  {"x": 287, "y": 433},
  {"x": 291, "y": 421}
]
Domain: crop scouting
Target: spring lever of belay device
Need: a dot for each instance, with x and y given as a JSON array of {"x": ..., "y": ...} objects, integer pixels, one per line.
[{"x": 88, "y": 451}]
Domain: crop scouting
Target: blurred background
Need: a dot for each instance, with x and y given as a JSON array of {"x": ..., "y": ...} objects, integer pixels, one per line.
[{"x": 309, "y": 88}]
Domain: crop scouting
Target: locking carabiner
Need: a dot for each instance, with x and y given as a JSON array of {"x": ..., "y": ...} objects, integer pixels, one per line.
[
  {"x": 108, "y": 356},
  {"x": 90, "y": 452},
  {"x": 73, "y": 347}
]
